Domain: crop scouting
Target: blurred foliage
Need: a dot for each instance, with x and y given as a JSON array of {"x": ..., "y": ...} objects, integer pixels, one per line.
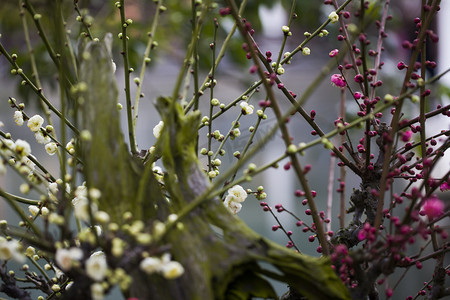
[
  {"x": 172, "y": 35},
  {"x": 173, "y": 31}
]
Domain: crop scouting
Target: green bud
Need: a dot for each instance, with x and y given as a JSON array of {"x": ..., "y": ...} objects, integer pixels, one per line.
[
  {"x": 215, "y": 102},
  {"x": 388, "y": 98},
  {"x": 420, "y": 82},
  {"x": 292, "y": 149}
]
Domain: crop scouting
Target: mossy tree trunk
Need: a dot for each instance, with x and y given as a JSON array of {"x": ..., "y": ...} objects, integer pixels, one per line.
[{"x": 220, "y": 254}]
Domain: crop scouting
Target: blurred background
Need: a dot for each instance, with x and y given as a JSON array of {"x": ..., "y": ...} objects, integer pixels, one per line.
[{"x": 233, "y": 78}]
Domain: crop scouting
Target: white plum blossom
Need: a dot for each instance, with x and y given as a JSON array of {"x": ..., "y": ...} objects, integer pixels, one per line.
[
  {"x": 34, "y": 210},
  {"x": 232, "y": 206},
  {"x": 96, "y": 266},
  {"x": 172, "y": 270},
  {"x": 150, "y": 265},
  {"x": 41, "y": 138},
  {"x": 18, "y": 118},
  {"x": 51, "y": 148},
  {"x": 22, "y": 147},
  {"x": 53, "y": 188},
  {"x": 7, "y": 147},
  {"x": 334, "y": 17},
  {"x": 246, "y": 108},
  {"x": 233, "y": 200},
  {"x": 238, "y": 193},
  {"x": 157, "y": 129},
  {"x": 81, "y": 207},
  {"x": 35, "y": 123},
  {"x": 81, "y": 191},
  {"x": 66, "y": 257},
  {"x": 10, "y": 250},
  {"x": 28, "y": 162},
  {"x": 168, "y": 268}
]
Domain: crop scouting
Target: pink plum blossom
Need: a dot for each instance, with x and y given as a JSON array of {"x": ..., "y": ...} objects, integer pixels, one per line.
[
  {"x": 444, "y": 187},
  {"x": 406, "y": 136},
  {"x": 333, "y": 53},
  {"x": 338, "y": 80},
  {"x": 432, "y": 208}
]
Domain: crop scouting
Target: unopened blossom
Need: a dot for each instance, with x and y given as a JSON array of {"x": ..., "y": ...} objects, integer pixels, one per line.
[
  {"x": 406, "y": 136},
  {"x": 45, "y": 211},
  {"x": 433, "y": 208},
  {"x": 333, "y": 53},
  {"x": 71, "y": 146},
  {"x": 172, "y": 270},
  {"x": 97, "y": 291},
  {"x": 246, "y": 108},
  {"x": 22, "y": 147},
  {"x": 96, "y": 266},
  {"x": 30, "y": 251},
  {"x": 51, "y": 148},
  {"x": 52, "y": 191},
  {"x": 65, "y": 258},
  {"x": 35, "y": 123},
  {"x": 306, "y": 51},
  {"x": 338, "y": 80},
  {"x": 18, "y": 118},
  {"x": 157, "y": 129},
  {"x": 334, "y": 17},
  {"x": 10, "y": 250},
  {"x": 41, "y": 138}
]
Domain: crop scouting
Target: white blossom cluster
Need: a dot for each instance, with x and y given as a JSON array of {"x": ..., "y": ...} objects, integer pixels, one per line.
[
  {"x": 17, "y": 152},
  {"x": 236, "y": 195},
  {"x": 35, "y": 124},
  {"x": 168, "y": 268}
]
